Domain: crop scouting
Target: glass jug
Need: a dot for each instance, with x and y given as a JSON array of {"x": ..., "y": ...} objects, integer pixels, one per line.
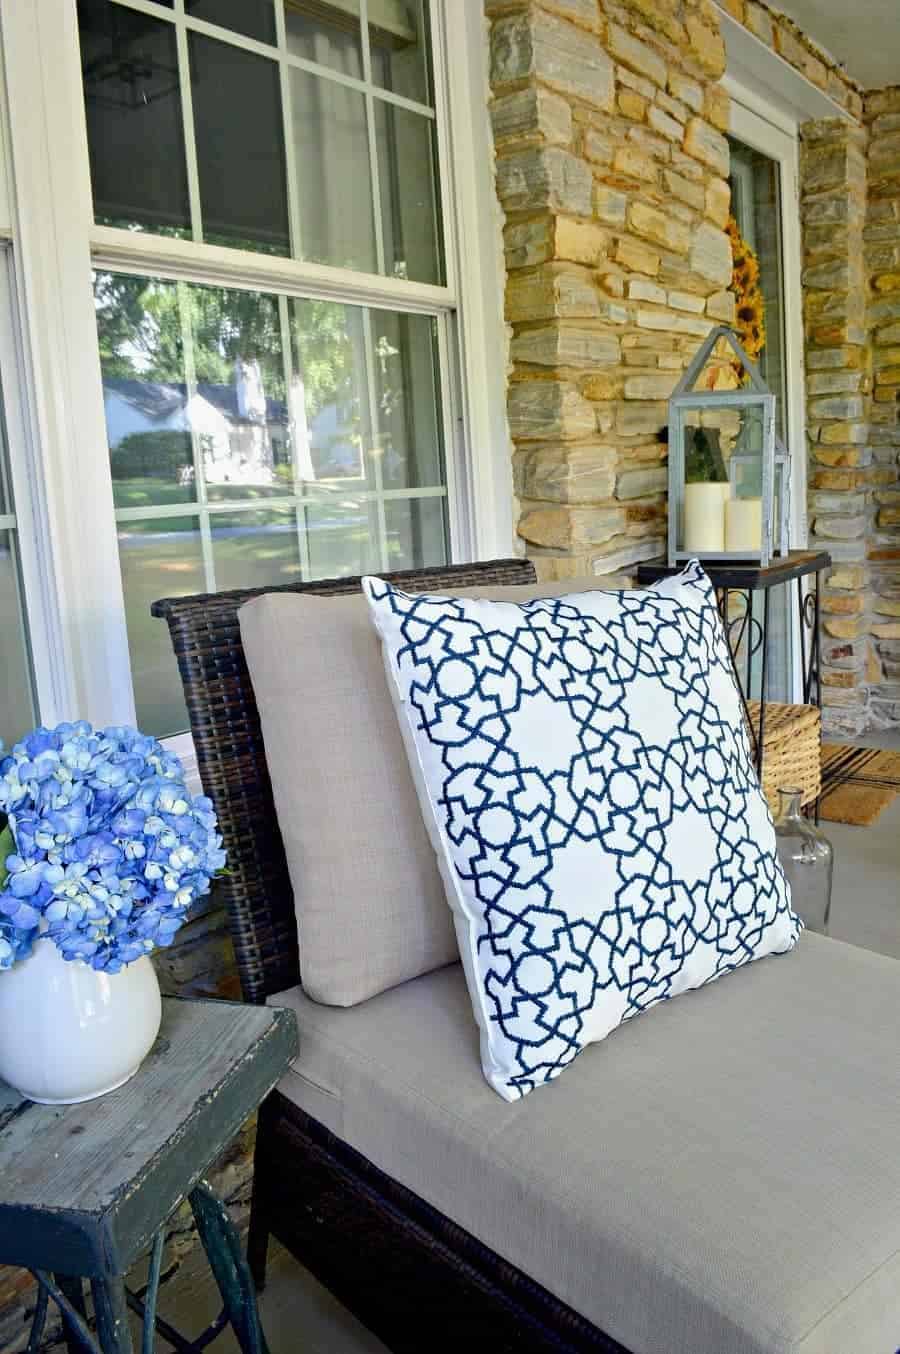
[{"x": 808, "y": 861}]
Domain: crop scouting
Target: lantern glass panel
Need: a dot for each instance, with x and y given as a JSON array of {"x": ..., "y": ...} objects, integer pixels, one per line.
[{"x": 721, "y": 507}]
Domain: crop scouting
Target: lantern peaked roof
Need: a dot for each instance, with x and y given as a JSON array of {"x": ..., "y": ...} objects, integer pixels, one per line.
[{"x": 688, "y": 381}]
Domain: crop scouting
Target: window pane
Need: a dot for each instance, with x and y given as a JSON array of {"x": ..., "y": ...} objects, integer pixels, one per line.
[
  {"x": 285, "y": 460},
  {"x": 331, "y": 39},
  {"x": 158, "y": 558},
  {"x": 399, "y": 44},
  {"x": 334, "y": 184},
  {"x": 255, "y": 549},
  {"x": 408, "y": 184},
  {"x": 408, "y": 416},
  {"x": 130, "y": 72},
  {"x": 329, "y": 403},
  {"x": 144, "y": 390},
  {"x": 416, "y": 532},
  {"x": 239, "y": 411},
  {"x": 240, "y": 146},
  {"x": 255, "y": 18},
  {"x": 17, "y": 714},
  {"x": 342, "y": 537}
]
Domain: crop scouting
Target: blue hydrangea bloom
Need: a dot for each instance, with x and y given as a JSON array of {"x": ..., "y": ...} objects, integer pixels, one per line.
[{"x": 111, "y": 847}]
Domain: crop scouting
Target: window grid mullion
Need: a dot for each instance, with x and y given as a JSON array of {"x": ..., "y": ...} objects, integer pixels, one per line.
[
  {"x": 279, "y": 503},
  {"x": 373, "y": 139},
  {"x": 187, "y": 122},
  {"x": 190, "y": 376},
  {"x": 287, "y": 122},
  {"x": 375, "y": 433},
  {"x": 287, "y": 360}
]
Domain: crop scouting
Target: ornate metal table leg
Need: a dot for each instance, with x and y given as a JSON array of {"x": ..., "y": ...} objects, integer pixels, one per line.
[
  {"x": 763, "y": 676},
  {"x": 68, "y": 1294},
  {"x": 232, "y": 1274}
]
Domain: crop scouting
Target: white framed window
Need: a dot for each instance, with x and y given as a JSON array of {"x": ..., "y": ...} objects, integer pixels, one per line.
[{"x": 257, "y": 347}]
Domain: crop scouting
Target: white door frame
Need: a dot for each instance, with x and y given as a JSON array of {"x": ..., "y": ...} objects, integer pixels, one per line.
[{"x": 774, "y": 132}]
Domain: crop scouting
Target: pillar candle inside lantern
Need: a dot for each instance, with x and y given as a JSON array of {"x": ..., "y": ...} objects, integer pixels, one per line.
[
  {"x": 743, "y": 525},
  {"x": 704, "y": 518}
]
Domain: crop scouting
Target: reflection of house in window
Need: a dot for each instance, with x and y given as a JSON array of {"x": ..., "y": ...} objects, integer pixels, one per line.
[{"x": 241, "y": 435}]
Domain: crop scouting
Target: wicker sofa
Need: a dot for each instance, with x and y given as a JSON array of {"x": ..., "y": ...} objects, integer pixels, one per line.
[{"x": 722, "y": 1176}]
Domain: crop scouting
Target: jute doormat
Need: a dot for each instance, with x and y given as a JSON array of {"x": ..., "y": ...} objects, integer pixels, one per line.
[{"x": 857, "y": 783}]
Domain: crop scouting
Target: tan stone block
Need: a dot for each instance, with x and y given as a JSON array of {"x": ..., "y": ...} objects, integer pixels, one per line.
[
  {"x": 635, "y": 418},
  {"x": 610, "y": 206},
  {"x": 686, "y": 90},
  {"x": 717, "y": 108},
  {"x": 834, "y": 677},
  {"x": 843, "y": 603},
  {"x": 836, "y": 480},
  {"x": 596, "y": 147},
  {"x": 735, "y": 8},
  {"x": 706, "y": 144},
  {"x": 718, "y": 202},
  {"x": 636, "y": 256},
  {"x": 721, "y": 306},
  {"x": 552, "y": 291},
  {"x": 634, "y": 164},
  {"x": 585, "y": 473},
  {"x": 639, "y": 56},
  {"x": 844, "y": 627},
  {"x": 650, "y": 386},
  {"x": 674, "y": 107},
  {"x": 886, "y": 606},
  {"x": 533, "y": 112},
  {"x": 710, "y": 255},
  {"x": 659, "y": 14},
  {"x": 631, "y": 105},
  {"x": 831, "y": 358},
  {"x": 759, "y": 21},
  {"x": 602, "y": 386},
  {"x": 682, "y": 300},
  {"x": 541, "y": 410},
  {"x": 684, "y": 189},
  {"x": 629, "y": 80},
  {"x": 848, "y": 576},
  {"x": 544, "y": 176},
  {"x": 528, "y": 243},
  {"x": 579, "y": 241},
  {"x": 655, "y": 225},
  {"x": 887, "y": 282},
  {"x": 563, "y": 527},
  {"x": 886, "y": 630},
  {"x": 707, "y": 46},
  {"x": 794, "y": 51},
  {"x": 565, "y": 345},
  {"x": 843, "y": 432},
  {"x": 888, "y": 517},
  {"x": 642, "y": 289},
  {"x": 537, "y": 45},
  {"x": 839, "y": 456},
  {"x": 665, "y": 125}
]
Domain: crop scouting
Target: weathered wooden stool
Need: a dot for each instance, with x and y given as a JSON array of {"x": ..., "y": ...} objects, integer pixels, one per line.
[{"x": 86, "y": 1189}]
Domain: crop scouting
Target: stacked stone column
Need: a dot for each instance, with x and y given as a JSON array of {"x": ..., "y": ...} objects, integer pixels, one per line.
[
  {"x": 612, "y": 169},
  {"x": 882, "y": 254},
  {"x": 833, "y": 179}
]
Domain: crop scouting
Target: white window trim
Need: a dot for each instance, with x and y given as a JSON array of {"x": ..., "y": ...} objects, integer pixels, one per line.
[
  {"x": 78, "y": 599},
  {"x": 775, "y": 134}
]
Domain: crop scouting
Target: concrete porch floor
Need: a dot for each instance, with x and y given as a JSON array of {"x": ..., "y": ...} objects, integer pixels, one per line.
[{"x": 298, "y": 1314}]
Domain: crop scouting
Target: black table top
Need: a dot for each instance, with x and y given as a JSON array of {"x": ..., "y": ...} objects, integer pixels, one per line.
[
  {"x": 84, "y": 1188},
  {"x": 728, "y": 574}
]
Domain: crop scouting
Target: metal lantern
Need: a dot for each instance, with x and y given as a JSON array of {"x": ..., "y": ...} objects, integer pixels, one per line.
[{"x": 729, "y": 472}]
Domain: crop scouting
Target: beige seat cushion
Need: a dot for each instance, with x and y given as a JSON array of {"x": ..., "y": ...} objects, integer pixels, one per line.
[
  {"x": 721, "y": 1176},
  {"x": 371, "y": 910}
]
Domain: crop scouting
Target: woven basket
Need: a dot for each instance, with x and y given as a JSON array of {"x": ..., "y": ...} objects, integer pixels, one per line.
[{"x": 791, "y": 750}]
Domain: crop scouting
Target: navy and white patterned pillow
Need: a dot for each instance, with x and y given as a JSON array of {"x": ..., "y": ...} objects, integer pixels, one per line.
[{"x": 587, "y": 779}]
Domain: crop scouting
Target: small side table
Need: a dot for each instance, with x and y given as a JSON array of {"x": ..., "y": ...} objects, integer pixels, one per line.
[
  {"x": 747, "y": 630},
  {"x": 88, "y": 1188}
]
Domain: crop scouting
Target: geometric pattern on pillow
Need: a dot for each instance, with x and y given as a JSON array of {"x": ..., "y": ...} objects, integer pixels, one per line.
[{"x": 587, "y": 779}]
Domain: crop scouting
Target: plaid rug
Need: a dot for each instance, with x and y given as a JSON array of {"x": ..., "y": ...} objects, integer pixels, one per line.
[{"x": 857, "y": 783}]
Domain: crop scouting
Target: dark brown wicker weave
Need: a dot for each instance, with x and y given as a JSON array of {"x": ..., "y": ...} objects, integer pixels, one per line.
[{"x": 409, "y": 1273}]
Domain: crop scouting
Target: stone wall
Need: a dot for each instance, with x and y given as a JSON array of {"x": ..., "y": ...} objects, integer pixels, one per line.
[
  {"x": 833, "y": 207},
  {"x": 882, "y": 256},
  {"x": 612, "y": 170}
]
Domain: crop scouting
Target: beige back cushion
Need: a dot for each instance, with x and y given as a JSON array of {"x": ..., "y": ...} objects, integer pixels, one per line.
[{"x": 371, "y": 909}]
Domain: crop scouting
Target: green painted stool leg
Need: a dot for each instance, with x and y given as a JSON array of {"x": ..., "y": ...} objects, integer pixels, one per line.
[
  {"x": 232, "y": 1274},
  {"x": 111, "y": 1312},
  {"x": 73, "y": 1289}
]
